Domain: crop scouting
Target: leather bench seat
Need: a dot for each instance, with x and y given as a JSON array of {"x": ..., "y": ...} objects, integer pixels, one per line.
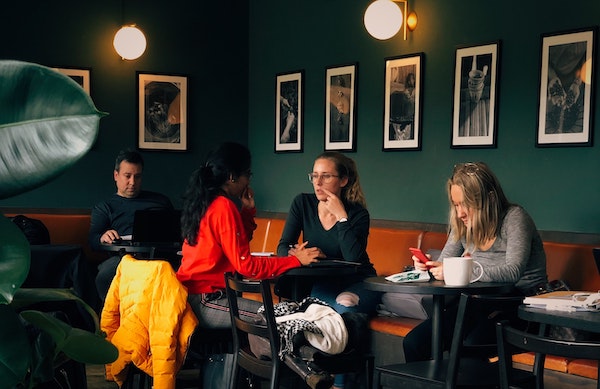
[
  {"x": 388, "y": 250},
  {"x": 397, "y": 326}
]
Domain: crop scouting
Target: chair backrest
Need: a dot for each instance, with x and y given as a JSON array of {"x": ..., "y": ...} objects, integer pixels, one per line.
[
  {"x": 500, "y": 306},
  {"x": 511, "y": 340},
  {"x": 243, "y": 328}
]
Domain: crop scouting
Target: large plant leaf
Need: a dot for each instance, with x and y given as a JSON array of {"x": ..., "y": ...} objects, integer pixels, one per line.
[
  {"x": 25, "y": 297},
  {"x": 15, "y": 351},
  {"x": 15, "y": 256},
  {"x": 77, "y": 344},
  {"x": 47, "y": 123}
]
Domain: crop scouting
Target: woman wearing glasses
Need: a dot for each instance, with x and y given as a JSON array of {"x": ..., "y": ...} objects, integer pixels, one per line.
[
  {"x": 335, "y": 223},
  {"x": 501, "y": 236}
]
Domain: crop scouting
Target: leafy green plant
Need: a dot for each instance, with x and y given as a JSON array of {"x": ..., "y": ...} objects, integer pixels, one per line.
[{"x": 47, "y": 123}]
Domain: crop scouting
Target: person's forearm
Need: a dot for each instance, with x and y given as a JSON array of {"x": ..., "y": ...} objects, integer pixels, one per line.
[{"x": 353, "y": 239}]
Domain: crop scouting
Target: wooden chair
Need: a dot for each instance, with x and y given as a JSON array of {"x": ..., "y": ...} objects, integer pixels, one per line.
[
  {"x": 466, "y": 365},
  {"x": 512, "y": 340},
  {"x": 351, "y": 361},
  {"x": 272, "y": 368}
]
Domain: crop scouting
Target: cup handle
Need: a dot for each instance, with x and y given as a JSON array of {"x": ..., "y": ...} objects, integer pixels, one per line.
[{"x": 480, "y": 271}]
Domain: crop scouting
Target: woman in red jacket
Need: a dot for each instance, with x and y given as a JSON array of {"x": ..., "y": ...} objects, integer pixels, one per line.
[{"x": 217, "y": 223}]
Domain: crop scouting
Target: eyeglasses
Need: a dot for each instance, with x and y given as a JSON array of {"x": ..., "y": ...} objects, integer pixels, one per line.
[{"x": 326, "y": 177}]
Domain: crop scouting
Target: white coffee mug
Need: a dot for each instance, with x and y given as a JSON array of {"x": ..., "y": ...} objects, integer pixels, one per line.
[{"x": 458, "y": 271}]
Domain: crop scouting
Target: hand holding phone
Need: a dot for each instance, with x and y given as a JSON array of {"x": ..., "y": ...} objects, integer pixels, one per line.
[{"x": 420, "y": 255}]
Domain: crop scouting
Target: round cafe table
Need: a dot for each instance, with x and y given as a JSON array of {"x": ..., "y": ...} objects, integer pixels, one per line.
[
  {"x": 439, "y": 290},
  {"x": 324, "y": 269}
]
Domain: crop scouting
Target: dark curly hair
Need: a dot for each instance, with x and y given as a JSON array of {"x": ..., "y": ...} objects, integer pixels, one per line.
[{"x": 229, "y": 160}]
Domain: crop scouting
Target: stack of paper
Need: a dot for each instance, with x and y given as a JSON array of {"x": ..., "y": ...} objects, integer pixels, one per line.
[{"x": 565, "y": 300}]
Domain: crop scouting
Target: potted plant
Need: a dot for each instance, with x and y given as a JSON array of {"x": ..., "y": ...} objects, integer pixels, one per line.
[{"x": 47, "y": 123}]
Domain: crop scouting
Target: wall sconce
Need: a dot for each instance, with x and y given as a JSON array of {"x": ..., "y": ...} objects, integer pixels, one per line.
[
  {"x": 130, "y": 42},
  {"x": 384, "y": 18}
]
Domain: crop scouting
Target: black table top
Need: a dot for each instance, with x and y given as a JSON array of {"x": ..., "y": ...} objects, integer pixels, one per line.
[
  {"x": 323, "y": 270},
  {"x": 585, "y": 321},
  {"x": 436, "y": 287}
]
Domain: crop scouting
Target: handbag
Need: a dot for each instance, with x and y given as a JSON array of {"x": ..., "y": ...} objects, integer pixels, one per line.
[
  {"x": 217, "y": 371},
  {"x": 34, "y": 230}
]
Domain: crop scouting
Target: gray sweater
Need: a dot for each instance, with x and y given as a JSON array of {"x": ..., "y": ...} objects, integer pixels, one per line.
[{"x": 517, "y": 254}]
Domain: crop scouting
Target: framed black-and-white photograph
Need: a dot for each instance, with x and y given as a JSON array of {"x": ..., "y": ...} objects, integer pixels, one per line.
[
  {"x": 162, "y": 112},
  {"x": 566, "y": 82},
  {"x": 340, "y": 108},
  {"x": 475, "y": 96},
  {"x": 80, "y": 76},
  {"x": 289, "y": 108},
  {"x": 402, "y": 102}
]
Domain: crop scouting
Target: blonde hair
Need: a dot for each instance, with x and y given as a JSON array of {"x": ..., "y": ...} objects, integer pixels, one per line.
[
  {"x": 346, "y": 167},
  {"x": 484, "y": 198}
]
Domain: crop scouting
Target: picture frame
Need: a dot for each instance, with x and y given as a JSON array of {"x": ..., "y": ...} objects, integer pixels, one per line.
[
  {"x": 80, "y": 75},
  {"x": 340, "y": 107},
  {"x": 566, "y": 88},
  {"x": 402, "y": 102},
  {"x": 475, "y": 96},
  {"x": 162, "y": 111},
  {"x": 289, "y": 112}
]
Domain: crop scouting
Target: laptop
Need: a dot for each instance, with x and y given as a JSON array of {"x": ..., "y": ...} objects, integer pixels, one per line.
[
  {"x": 596, "y": 252},
  {"x": 153, "y": 227},
  {"x": 333, "y": 262}
]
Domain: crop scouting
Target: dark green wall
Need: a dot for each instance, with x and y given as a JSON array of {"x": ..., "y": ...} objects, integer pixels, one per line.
[
  {"x": 204, "y": 40},
  {"x": 559, "y": 186},
  {"x": 232, "y": 68}
]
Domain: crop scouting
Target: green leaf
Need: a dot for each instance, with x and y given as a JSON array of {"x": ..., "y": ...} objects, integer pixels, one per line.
[
  {"x": 58, "y": 329},
  {"x": 47, "y": 123},
  {"x": 86, "y": 347},
  {"x": 15, "y": 351},
  {"x": 15, "y": 256},
  {"x": 25, "y": 297},
  {"x": 77, "y": 344}
]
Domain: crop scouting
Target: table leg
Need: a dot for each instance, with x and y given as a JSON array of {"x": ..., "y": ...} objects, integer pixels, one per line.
[
  {"x": 540, "y": 359},
  {"x": 437, "y": 317}
]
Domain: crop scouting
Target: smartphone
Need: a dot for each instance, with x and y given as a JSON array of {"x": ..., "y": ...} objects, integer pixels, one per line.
[{"x": 420, "y": 255}]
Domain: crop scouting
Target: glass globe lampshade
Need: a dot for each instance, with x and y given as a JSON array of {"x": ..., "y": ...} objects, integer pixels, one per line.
[
  {"x": 130, "y": 42},
  {"x": 383, "y": 19}
]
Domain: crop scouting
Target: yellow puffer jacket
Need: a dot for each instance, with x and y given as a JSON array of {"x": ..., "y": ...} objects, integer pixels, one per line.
[{"x": 147, "y": 316}]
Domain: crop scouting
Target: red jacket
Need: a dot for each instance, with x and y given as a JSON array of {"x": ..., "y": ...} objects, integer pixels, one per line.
[{"x": 223, "y": 246}]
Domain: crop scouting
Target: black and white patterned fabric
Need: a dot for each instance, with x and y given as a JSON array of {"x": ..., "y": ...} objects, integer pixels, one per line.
[{"x": 288, "y": 329}]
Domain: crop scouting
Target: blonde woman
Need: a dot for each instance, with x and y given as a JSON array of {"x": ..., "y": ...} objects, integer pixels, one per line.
[{"x": 496, "y": 233}]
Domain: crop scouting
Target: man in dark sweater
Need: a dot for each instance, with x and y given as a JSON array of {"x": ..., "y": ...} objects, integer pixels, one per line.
[{"x": 113, "y": 219}]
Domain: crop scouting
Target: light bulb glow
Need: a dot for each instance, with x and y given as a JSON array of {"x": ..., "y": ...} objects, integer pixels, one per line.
[
  {"x": 383, "y": 19},
  {"x": 411, "y": 21},
  {"x": 130, "y": 42}
]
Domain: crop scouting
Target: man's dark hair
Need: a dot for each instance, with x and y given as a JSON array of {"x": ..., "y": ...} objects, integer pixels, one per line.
[{"x": 129, "y": 156}]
